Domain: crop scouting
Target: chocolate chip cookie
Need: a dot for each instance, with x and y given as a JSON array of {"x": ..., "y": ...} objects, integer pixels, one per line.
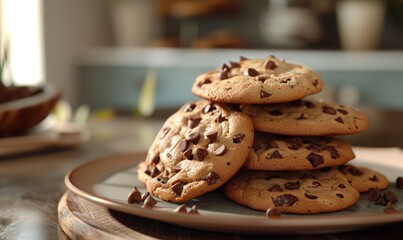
[
  {"x": 362, "y": 178},
  {"x": 257, "y": 81},
  {"x": 279, "y": 152},
  {"x": 302, "y": 192},
  {"x": 198, "y": 149},
  {"x": 306, "y": 118}
]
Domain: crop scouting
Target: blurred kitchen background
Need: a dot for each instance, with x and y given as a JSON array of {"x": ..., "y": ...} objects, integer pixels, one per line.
[{"x": 114, "y": 54}]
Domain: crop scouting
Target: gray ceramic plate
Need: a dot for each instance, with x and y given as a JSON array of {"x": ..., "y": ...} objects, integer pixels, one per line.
[{"x": 108, "y": 181}]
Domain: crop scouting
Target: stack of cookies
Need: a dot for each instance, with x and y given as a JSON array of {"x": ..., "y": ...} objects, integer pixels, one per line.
[{"x": 256, "y": 132}]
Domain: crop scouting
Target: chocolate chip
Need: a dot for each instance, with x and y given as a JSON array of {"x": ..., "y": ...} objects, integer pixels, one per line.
[
  {"x": 316, "y": 184},
  {"x": 193, "y": 122},
  {"x": 333, "y": 151},
  {"x": 148, "y": 172},
  {"x": 292, "y": 185},
  {"x": 340, "y": 195},
  {"x": 264, "y": 94},
  {"x": 212, "y": 178},
  {"x": 315, "y": 159},
  {"x": 205, "y": 81},
  {"x": 189, "y": 107},
  {"x": 273, "y": 213},
  {"x": 399, "y": 182},
  {"x": 339, "y": 119},
  {"x": 374, "y": 194},
  {"x": 284, "y": 200},
  {"x": 382, "y": 200},
  {"x": 270, "y": 65},
  {"x": 329, "y": 110},
  {"x": 275, "y": 112},
  {"x": 211, "y": 135},
  {"x": 149, "y": 202},
  {"x": 275, "y": 188},
  {"x": 296, "y": 143},
  {"x": 134, "y": 196},
  {"x": 220, "y": 150},
  {"x": 188, "y": 154},
  {"x": 164, "y": 132},
  {"x": 234, "y": 64},
  {"x": 155, "y": 159},
  {"x": 223, "y": 75},
  {"x": 180, "y": 209},
  {"x": 342, "y": 111},
  {"x": 251, "y": 72},
  {"x": 309, "y": 104},
  {"x": 225, "y": 67},
  {"x": 302, "y": 116},
  {"x": 315, "y": 82},
  {"x": 182, "y": 145},
  {"x": 194, "y": 210},
  {"x": 238, "y": 138},
  {"x": 309, "y": 196},
  {"x": 201, "y": 154},
  {"x": 341, "y": 185},
  {"x": 177, "y": 188},
  {"x": 242, "y": 58},
  {"x": 155, "y": 172},
  {"x": 193, "y": 137},
  {"x": 145, "y": 196},
  {"x": 374, "y": 178},
  {"x": 177, "y": 168},
  {"x": 275, "y": 154},
  {"x": 391, "y": 197}
]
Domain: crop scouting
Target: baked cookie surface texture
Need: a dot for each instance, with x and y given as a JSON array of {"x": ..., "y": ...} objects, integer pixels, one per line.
[
  {"x": 198, "y": 149},
  {"x": 307, "y": 118},
  {"x": 302, "y": 192},
  {"x": 278, "y": 152},
  {"x": 257, "y": 81}
]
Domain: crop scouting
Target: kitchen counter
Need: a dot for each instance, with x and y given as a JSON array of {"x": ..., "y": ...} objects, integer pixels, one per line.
[{"x": 31, "y": 184}]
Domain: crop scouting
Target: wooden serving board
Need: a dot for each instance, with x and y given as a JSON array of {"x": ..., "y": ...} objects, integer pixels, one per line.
[{"x": 82, "y": 219}]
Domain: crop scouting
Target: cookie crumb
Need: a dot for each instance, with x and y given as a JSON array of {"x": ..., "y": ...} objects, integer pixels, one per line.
[
  {"x": 149, "y": 202},
  {"x": 273, "y": 213}
]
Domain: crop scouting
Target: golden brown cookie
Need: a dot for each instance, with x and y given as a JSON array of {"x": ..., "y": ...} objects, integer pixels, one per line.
[
  {"x": 363, "y": 178},
  {"x": 257, "y": 81},
  {"x": 306, "y": 118},
  {"x": 302, "y": 192},
  {"x": 198, "y": 149},
  {"x": 278, "y": 152}
]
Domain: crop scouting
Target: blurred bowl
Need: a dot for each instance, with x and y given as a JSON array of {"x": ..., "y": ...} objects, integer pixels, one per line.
[{"x": 20, "y": 115}]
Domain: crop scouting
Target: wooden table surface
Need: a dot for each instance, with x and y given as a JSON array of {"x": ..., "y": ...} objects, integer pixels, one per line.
[{"x": 31, "y": 184}]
